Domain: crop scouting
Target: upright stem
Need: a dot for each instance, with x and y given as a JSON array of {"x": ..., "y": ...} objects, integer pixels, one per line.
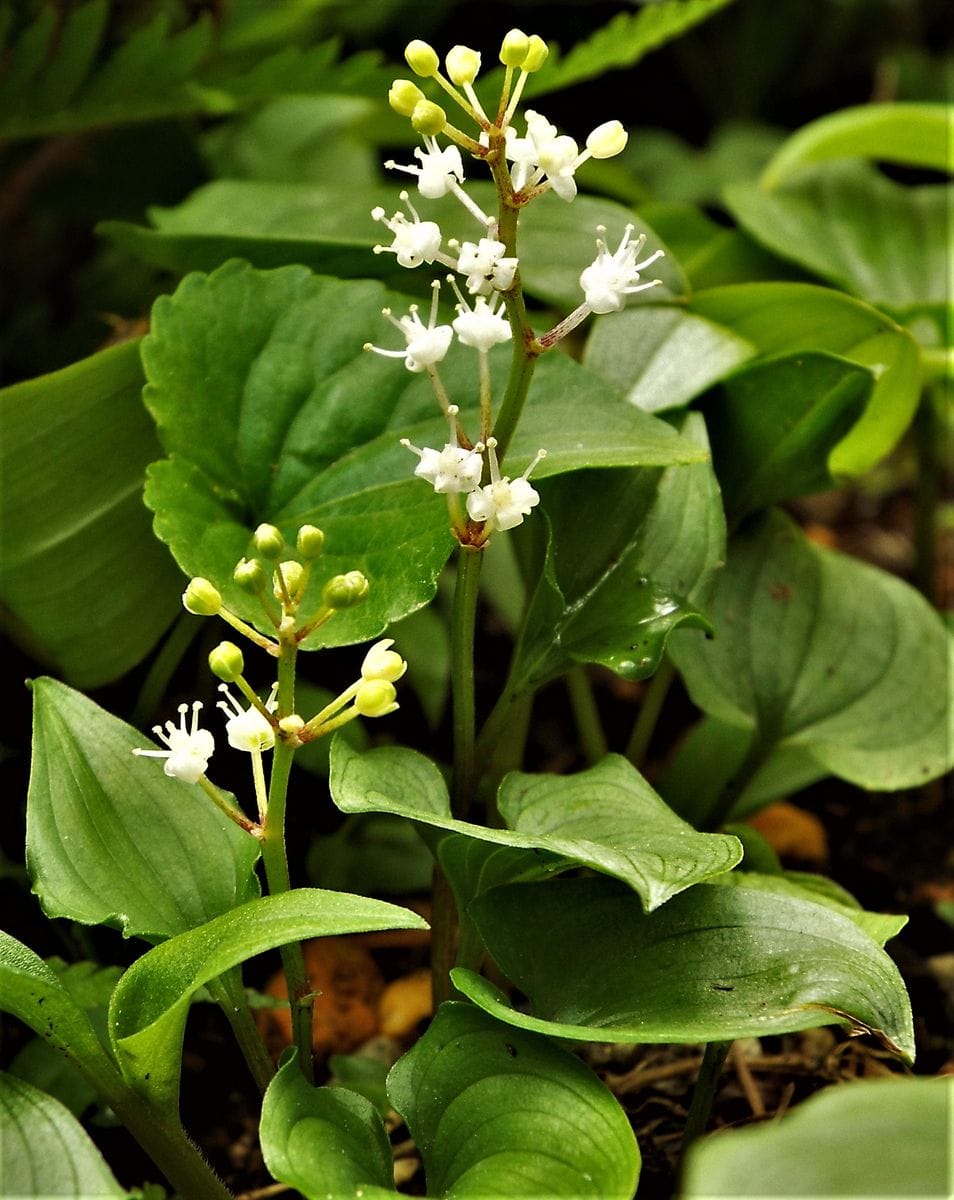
[
  {"x": 645, "y": 724},
  {"x": 704, "y": 1092},
  {"x": 927, "y": 490},
  {"x": 463, "y": 621},
  {"x": 586, "y": 715},
  {"x": 229, "y": 994},
  {"x": 734, "y": 787},
  {"x": 276, "y": 867}
]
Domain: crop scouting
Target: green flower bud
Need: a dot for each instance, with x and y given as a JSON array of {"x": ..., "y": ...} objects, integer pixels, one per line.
[
  {"x": 383, "y": 663},
  {"x": 249, "y": 574},
  {"x": 310, "y": 541},
  {"x": 226, "y": 662},
  {"x": 421, "y": 58},
  {"x": 269, "y": 542},
  {"x": 343, "y": 591},
  {"x": 428, "y": 118},
  {"x": 536, "y": 55},
  {"x": 403, "y": 96},
  {"x": 462, "y": 64},
  {"x": 293, "y": 574},
  {"x": 376, "y": 698},
  {"x": 201, "y": 598},
  {"x": 514, "y": 47}
]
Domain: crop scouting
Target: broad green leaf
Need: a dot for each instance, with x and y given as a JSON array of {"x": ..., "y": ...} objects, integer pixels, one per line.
[
  {"x": 662, "y": 357},
  {"x": 606, "y": 818},
  {"x": 112, "y": 840},
  {"x": 785, "y": 318},
  {"x": 850, "y": 225},
  {"x": 880, "y": 927},
  {"x": 30, "y": 990},
  {"x": 150, "y": 1004},
  {"x": 372, "y": 853},
  {"x": 612, "y": 591},
  {"x": 626, "y": 39},
  {"x": 325, "y": 1142},
  {"x": 711, "y": 754},
  {"x": 917, "y": 135},
  {"x": 271, "y": 411},
  {"x": 713, "y": 964},
  {"x": 46, "y": 1152},
  {"x": 775, "y": 423},
  {"x": 822, "y": 651},
  {"x": 498, "y": 1112},
  {"x": 74, "y": 535},
  {"x": 884, "y": 1138}
]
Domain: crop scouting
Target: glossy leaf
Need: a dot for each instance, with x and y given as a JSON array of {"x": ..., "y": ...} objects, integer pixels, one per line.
[
  {"x": 917, "y": 135},
  {"x": 270, "y": 410},
  {"x": 848, "y": 224},
  {"x": 775, "y": 423},
  {"x": 150, "y": 1004},
  {"x": 93, "y": 805},
  {"x": 607, "y": 818},
  {"x": 822, "y": 651},
  {"x": 46, "y": 1152},
  {"x": 884, "y": 1138},
  {"x": 661, "y": 358},
  {"x": 713, "y": 964},
  {"x": 77, "y": 539},
  {"x": 499, "y": 1112},
  {"x": 786, "y": 318},
  {"x": 324, "y": 1142},
  {"x": 612, "y": 591}
]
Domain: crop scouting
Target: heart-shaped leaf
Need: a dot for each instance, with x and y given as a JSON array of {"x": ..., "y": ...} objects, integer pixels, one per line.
[
  {"x": 863, "y": 1139},
  {"x": 149, "y": 1006},
  {"x": 713, "y": 964},
  {"x": 917, "y": 135},
  {"x": 775, "y": 423},
  {"x": 819, "y": 650},
  {"x": 607, "y": 818},
  {"x": 786, "y": 318},
  {"x": 112, "y": 840},
  {"x": 661, "y": 358},
  {"x": 848, "y": 224},
  {"x": 76, "y": 539},
  {"x": 326, "y": 1141},
  {"x": 495, "y": 1111},
  {"x": 271, "y": 411},
  {"x": 613, "y": 590},
  {"x": 46, "y": 1151}
]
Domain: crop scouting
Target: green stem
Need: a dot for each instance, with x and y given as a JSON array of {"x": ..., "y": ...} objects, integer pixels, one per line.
[
  {"x": 229, "y": 994},
  {"x": 275, "y": 861},
  {"x": 725, "y": 801},
  {"x": 156, "y": 683},
  {"x": 703, "y": 1093},
  {"x": 443, "y": 936},
  {"x": 463, "y": 620},
  {"x": 586, "y": 715},
  {"x": 646, "y": 719}
]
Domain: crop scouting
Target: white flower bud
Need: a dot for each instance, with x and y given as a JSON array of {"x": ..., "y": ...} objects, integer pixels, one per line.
[
  {"x": 462, "y": 65},
  {"x": 607, "y": 140},
  {"x": 383, "y": 663},
  {"x": 421, "y": 58}
]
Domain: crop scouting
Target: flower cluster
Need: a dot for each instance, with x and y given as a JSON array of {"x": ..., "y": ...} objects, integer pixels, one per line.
[
  {"x": 253, "y": 725},
  {"x": 484, "y": 272}
]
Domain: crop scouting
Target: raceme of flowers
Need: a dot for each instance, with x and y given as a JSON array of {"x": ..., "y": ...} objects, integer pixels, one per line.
[{"x": 484, "y": 271}]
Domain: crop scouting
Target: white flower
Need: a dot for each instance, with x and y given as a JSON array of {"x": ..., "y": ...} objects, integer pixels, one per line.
[
  {"x": 381, "y": 662},
  {"x": 247, "y": 728},
  {"x": 610, "y": 278},
  {"x": 415, "y": 242},
  {"x": 503, "y": 503},
  {"x": 486, "y": 266},
  {"x": 546, "y": 153},
  {"x": 189, "y": 749},
  {"x": 452, "y": 469},
  {"x": 440, "y": 172},
  {"x": 482, "y": 326},
  {"x": 426, "y": 344}
]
